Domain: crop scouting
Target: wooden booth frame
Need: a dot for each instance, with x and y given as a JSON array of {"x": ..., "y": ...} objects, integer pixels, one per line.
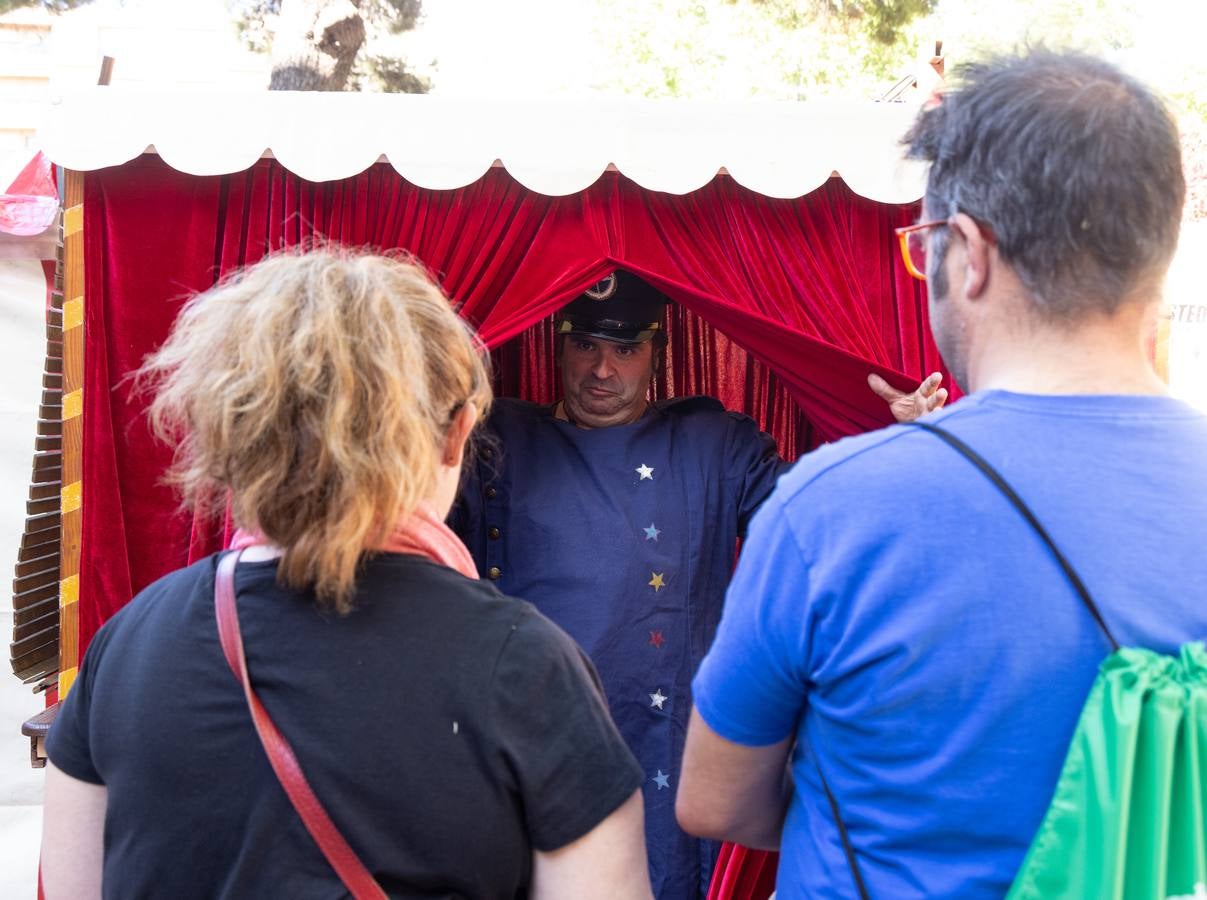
[{"x": 45, "y": 643}]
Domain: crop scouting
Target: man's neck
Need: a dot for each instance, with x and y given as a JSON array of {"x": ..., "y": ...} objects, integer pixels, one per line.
[
  {"x": 562, "y": 411},
  {"x": 1101, "y": 355}
]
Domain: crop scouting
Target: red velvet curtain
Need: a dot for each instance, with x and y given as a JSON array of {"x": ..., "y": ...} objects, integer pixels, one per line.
[{"x": 783, "y": 306}]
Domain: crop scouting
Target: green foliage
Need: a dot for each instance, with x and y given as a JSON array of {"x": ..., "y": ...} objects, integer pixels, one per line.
[
  {"x": 774, "y": 49},
  {"x": 389, "y": 74},
  {"x": 1095, "y": 26},
  {"x": 374, "y": 69},
  {"x": 380, "y": 17},
  {"x": 394, "y": 16},
  {"x": 56, "y": 6},
  {"x": 881, "y": 21}
]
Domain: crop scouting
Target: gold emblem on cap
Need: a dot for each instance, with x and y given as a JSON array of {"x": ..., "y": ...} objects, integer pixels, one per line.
[{"x": 603, "y": 289}]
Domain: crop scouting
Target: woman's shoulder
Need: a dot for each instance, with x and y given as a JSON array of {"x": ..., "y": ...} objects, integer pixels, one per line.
[
  {"x": 429, "y": 585},
  {"x": 154, "y": 611},
  {"x": 176, "y": 586}
]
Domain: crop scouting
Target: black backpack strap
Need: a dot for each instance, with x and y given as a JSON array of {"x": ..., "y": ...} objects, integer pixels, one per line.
[
  {"x": 852, "y": 863},
  {"x": 993, "y": 475}
]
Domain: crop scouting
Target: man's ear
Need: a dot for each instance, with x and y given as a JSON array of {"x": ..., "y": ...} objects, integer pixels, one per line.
[
  {"x": 978, "y": 251},
  {"x": 457, "y": 434}
]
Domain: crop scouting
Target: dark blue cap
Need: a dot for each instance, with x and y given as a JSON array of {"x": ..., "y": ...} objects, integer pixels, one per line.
[{"x": 621, "y": 308}]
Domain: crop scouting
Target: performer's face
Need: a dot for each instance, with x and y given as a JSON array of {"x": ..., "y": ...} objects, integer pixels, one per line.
[{"x": 605, "y": 383}]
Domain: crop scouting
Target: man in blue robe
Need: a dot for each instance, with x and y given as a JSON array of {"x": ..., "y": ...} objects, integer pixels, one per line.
[{"x": 619, "y": 519}]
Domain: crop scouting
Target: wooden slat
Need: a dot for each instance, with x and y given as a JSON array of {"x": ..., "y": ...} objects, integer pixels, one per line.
[
  {"x": 38, "y": 666},
  {"x": 47, "y": 563},
  {"x": 38, "y": 572},
  {"x": 34, "y": 611},
  {"x": 36, "y": 618},
  {"x": 23, "y": 662},
  {"x": 54, "y": 315},
  {"x": 50, "y": 473},
  {"x": 48, "y": 442},
  {"x": 27, "y": 583},
  {"x": 44, "y": 633},
  {"x": 33, "y": 596},
  {"x": 41, "y": 521},
  {"x": 53, "y": 398},
  {"x": 37, "y": 507},
  {"x": 53, "y": 427},
  {"x": 54, "y": 332},
  {"x": 36, "y": 551},
  {"x": 39, "y": 540},
  {"x": 43, "y": 682},
  {"x": 36, "y": 626},
  {"x": 21, "y": 650},
  {"x": 42, "y": 490},
  {"x": 44, "y": 461}
]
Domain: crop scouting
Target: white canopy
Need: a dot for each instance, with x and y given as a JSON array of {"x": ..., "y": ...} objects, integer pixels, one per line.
[{"x": 555, "y": 148}]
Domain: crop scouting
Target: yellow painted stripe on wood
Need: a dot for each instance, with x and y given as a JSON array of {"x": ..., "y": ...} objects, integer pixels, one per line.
[
  {"x": 66, "y": 680},
  {"x": 72, "y": 496},
  {"x": 73, "y": 404},
  {"x": 73, "y": 220},
  {"x": 69, "y": 590},
  {"x": 73, "y": 313}
]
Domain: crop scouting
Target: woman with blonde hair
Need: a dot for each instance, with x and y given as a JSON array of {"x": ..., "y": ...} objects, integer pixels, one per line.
[{"x": 457, "y": 740}]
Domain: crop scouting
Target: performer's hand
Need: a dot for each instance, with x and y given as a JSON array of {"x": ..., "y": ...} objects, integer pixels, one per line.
[{"x": 906, "y": 407}]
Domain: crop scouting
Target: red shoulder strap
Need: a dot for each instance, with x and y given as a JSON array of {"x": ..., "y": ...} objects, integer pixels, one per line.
[{"x": 343, "y": 859}]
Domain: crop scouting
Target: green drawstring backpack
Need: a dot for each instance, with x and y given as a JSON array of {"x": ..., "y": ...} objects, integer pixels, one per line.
[{"x": 1127, "y": 818}]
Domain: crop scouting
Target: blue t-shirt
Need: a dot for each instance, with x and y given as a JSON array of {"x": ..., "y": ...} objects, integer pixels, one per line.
[{"x": 894, "y": 613}]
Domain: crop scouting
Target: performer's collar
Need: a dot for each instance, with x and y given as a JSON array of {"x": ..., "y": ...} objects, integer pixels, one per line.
[{"x": 562, "y": 412}]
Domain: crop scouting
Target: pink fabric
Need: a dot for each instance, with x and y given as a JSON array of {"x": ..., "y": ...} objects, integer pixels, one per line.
[
  {"x": 422, "y": 534},
  {"x": 31, "y": 202}
]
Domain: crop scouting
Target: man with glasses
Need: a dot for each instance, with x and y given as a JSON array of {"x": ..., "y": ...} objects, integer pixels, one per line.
[{"x": 907, "y": 645}]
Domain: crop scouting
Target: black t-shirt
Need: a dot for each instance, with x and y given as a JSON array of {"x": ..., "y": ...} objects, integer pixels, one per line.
[{"x": 447, "y": 729}]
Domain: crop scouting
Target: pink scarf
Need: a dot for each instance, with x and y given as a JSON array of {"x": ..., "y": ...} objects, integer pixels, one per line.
[{"x": 421, "y": 534}]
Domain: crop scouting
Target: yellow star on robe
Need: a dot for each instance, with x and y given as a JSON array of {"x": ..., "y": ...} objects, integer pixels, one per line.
[{"x": 656, "y": 581}]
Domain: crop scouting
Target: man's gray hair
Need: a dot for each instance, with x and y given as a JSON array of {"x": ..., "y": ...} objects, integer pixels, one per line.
[{"x": 1074, "y": 167}]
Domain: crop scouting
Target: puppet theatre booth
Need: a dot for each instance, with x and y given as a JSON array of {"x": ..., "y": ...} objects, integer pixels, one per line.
[{"x": 769, "y": 227}]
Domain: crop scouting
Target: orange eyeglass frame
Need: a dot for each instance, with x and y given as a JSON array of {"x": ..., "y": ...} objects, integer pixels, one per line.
[{"x": 903, "y": 234}]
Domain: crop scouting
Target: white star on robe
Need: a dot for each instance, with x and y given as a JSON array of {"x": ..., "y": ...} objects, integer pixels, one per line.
[
  {"x": 651, "y": 533},
  {"x": 645, "y": 472},
  {"x": 662, "y": 780},
  {"x": 658, "y": 698}
]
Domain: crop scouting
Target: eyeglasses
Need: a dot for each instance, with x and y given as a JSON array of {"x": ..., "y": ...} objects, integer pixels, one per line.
[{"x": 913, "y": 246}]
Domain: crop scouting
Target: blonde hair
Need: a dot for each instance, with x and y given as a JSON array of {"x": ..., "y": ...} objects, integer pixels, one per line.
[{"x": 315, "y": 391}]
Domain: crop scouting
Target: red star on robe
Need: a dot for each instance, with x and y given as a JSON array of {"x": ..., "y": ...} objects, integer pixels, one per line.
[{"x": 656, "y": 639}]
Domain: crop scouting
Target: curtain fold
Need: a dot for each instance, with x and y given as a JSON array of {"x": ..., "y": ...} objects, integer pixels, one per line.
[{"x": 782, "y": 307}]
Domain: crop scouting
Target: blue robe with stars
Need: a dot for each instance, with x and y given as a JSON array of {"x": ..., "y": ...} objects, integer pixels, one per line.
[{"x": 626, "y": 538}]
